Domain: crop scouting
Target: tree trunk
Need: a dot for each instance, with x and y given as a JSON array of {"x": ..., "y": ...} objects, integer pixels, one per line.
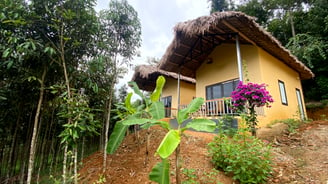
[
  {"x": 75, "y": 165},
  {"x": 35, "y": 129},
  {"x": 62, "y": 57},
  {"x": 10, "y": 167},
  {"x": 292, "y": 23},
  {"x": 42, "y": 150},
  {"x": 109, "y": 108},
  {"x": 177, "y": 165},
  {"x": 25, "y": 153},
  {"x": 65, "y": 163},
  {"x": 147, "y": 146},
  {"x": 82, "y": 149}
]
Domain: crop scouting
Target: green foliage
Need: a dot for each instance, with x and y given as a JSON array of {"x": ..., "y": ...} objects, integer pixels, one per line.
[
  {"x": 257, "y": 9},
  {"x": 160, "y": 172},
  {"x": 101, "y": 179},
  {"x": 83, "y": 121},
  {"x": 246, "y": 157},
  {"x": 206, "y": 178},
  {"x": 190, "y": 175},
  {"x": 293, "y": 124},
  {"x": 308, "y": 48}
]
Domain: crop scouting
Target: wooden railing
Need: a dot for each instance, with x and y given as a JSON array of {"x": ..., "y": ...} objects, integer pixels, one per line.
[{"x": 218, "y": 107}]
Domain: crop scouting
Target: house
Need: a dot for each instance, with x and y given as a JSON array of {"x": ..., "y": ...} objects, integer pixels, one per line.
[
  {"x": 224, "y": 48},
  {"x": 145, "y": 76}
]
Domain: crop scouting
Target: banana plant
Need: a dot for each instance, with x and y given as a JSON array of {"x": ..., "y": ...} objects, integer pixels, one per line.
[
  {"x": 171, "y": 141},
  {"x": 149, "y": 113}
]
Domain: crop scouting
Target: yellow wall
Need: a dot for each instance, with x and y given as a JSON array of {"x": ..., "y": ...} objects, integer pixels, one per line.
[
  {"x": 261, "y": 68},
  {"x": 273, "y": 70},
  {"x": 187, "y": 91},
  {"x": 225, "y": 66}
]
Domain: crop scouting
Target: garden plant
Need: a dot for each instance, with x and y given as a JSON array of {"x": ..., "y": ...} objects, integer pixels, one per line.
[{"x": 248, "y": 96}]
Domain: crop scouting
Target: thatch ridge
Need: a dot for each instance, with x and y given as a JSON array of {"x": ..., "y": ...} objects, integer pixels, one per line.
[
  {"x": 245, "y": 25},
  {"x": 145, "y": 71},
  {"x": 146, "y": 75}
]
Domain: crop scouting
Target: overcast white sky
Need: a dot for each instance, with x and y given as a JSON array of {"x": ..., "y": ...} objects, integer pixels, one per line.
[{"x": 158, "y": 17}]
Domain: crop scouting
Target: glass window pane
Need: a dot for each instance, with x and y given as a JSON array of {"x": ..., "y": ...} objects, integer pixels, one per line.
[
  {"x": 282, "y": 93},
  {"x": 208, "y": 93},
  {"x": 227, "y": 89},
  {"x": 217, "y": 91}
]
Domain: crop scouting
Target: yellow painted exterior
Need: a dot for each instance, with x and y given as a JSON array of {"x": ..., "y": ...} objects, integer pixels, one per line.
[
  {"x": 259, "y": 67},
  {"x": 273, "y": 70},
  {"x": 187, "y": 91}
]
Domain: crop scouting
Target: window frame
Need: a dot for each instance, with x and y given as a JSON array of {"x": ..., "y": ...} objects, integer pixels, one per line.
[
  {"x": 221, "y": 86},
  {"x": 282, "y": 92}
]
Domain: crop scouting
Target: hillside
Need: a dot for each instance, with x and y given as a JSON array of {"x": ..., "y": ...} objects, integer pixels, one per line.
[{"x": 300, "y": 157}]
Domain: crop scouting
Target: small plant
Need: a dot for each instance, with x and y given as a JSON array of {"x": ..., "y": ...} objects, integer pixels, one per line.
[
  {"x": 225, "y": 125},
  {"x": 190, "y": 175},
  {"x": 101, "y": 179},
  {"x": 323, "y": 117},
  {"x": 293, "y": 124},
  {"x": 207, "y": 177},
  {"x": 245, "y": 156},
  {"x": 210, "y": 177}
]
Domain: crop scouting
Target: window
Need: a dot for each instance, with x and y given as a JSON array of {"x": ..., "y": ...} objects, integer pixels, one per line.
[
  {"x": 283, "y": 94},
  {"x": 221, "y": 90}
]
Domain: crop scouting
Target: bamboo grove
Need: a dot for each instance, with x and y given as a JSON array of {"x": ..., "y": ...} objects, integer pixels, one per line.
[{"x": 60, "y": 61}]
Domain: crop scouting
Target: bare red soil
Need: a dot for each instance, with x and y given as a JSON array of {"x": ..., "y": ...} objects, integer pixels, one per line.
[{"x": 301, "y": 157}]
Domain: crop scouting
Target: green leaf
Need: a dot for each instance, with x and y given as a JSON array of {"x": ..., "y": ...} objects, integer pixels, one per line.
[
  {"x": 192, "y": 107},
  {"x": 182, "y": 116},
  {"x": 6, "y": 53},
  {"x": 128, "y": 103},
  {"x": 160, "y": 172},
  {"x": 157, "y": 110},
  {"x": 135, "y": 121},
  {"x": 163, "y": 124},
  {"x": 169, "y": 144},
  {"x": 205, "y": 125},
  {"x": 116, "y": 137},
  {"x": 160, "y": 82},
  {"x": 10, "y": 64},
  {"x": 136, "y": 89}
]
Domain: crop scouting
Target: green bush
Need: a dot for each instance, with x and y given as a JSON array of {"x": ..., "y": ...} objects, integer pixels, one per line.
[{"x": 245, "y": 156}]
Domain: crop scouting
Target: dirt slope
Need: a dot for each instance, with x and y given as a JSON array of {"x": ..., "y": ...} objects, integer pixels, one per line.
[{"x": 298, "y": 158}]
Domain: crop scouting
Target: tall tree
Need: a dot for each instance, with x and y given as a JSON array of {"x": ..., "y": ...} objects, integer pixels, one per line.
[
  {"x": 121, "y": 32},
  {"x": 258, "y": 9},
  {"x": 220, "y": 5}
]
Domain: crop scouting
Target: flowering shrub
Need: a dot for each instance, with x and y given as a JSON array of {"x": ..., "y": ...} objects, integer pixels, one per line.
[{"x": 248, "y": 96}]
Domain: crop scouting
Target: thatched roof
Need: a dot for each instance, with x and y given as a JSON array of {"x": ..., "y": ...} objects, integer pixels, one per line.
[
  {"x": 145, "y": 76},
  {"x": 195, "y": 39}
]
